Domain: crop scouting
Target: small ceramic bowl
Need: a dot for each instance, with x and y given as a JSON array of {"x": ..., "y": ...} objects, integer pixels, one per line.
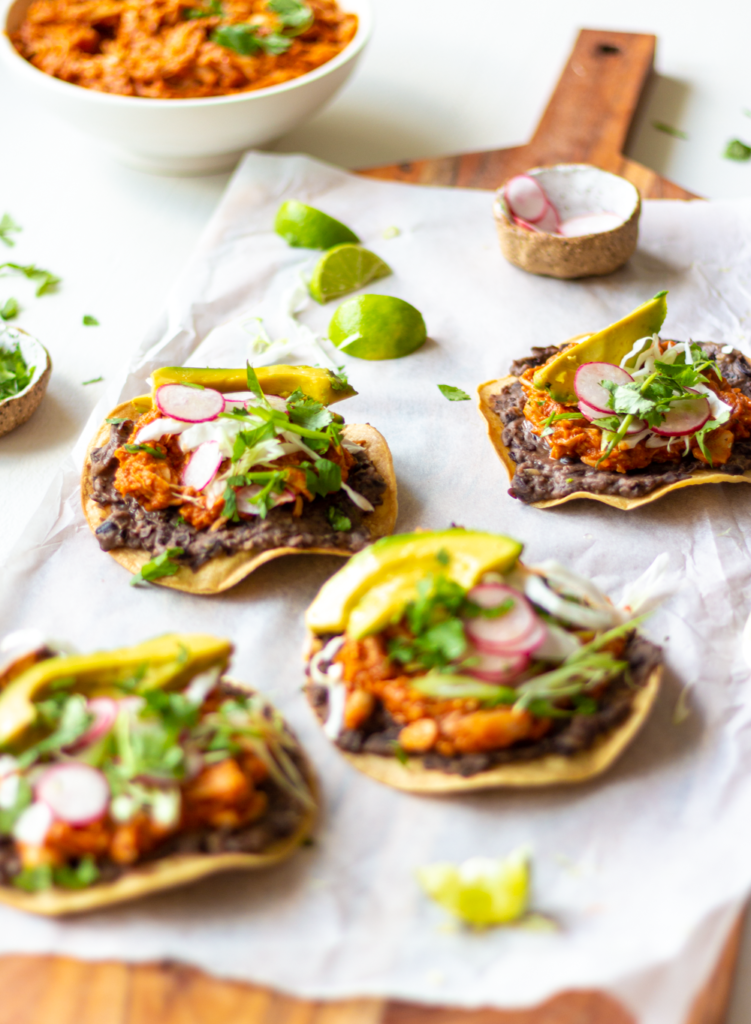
[
  {"x": 576, "y": 190},
  {"x": 16, "y": 410},
  {"x": 199, "y": 136}
]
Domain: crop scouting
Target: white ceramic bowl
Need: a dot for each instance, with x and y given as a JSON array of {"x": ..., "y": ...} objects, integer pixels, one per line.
[{"x": 184, "y": 136}]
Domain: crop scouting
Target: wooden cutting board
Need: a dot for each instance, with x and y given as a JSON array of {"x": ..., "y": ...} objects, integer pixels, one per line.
[{"x": 587, "y": 120}]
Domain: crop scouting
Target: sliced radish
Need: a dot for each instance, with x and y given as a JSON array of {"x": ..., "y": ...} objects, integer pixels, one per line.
[
  {"x": 549, "y": 221},
  {"x": 588, "y": 387},
  {"x": 589, "y": 224},
  {"x": 104, "y": 710},
  {"x": 160, "y": 428},
  {"x": 686, "y": 416},
  {"x": 203, "y": 466},
  {"x": 74, "y": 792},
  {"x": 515, "y": 631},
  {"x": 526, "y": 198},
  {"x": 523, "y": 223},
  {"x": 595, "y": 414},
  {"x": 192, "y": 405},
  {"x": 497, "y": 668},
  {"x": 246, "y": 507}
]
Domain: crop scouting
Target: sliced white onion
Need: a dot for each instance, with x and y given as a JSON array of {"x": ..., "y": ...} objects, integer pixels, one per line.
[
  {"x": 558, "y": 644},
  {"x": 335, "y": 719},
  {"x": 33, "y": 825},
  {"x": 358, "y": 499},
  {"x": 201, "y": 686},
  {"x": 164, "y": 807},
  {"x": 567, "y": 611},
  {"x": 9, "y": 791},
  {"x": 163, "y": 427}
]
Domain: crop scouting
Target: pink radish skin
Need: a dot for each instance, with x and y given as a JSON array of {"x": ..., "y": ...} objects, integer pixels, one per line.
[
  {"x": 104, "y": 710},
  {"x": 686, "y": 416},
  {"x": 549, "y": 221},
  {"x": 203, "y": 466},
  {"x": 245, "y": 506},
  {"x": 513, "y": 632},
  {"x": 589, "y": 224},
  {"x": 594, "y": 414},
  {"x": 525, "y": 645},
  {"x": 497, "y": 668},
  {"x": 525, "y": 198},
  {"x": 75, "y": 793},
  {"x": 191, "y": 405},
  {"x": 589, "y": 389}
]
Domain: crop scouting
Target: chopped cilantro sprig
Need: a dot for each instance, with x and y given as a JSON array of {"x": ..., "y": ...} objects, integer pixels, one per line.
[
  {"x": 15, "y": 374},
  {"x": 162, "y": 565},
  {"x": 45, "y": 280}
]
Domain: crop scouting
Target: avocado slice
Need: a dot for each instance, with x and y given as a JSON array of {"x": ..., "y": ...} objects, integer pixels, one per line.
[
  {"x": 376, "y": 584},
  {"x": 166, "y": 662},
  {"x": 316, "y": 382},
  {"x": 609, "y": 345}
]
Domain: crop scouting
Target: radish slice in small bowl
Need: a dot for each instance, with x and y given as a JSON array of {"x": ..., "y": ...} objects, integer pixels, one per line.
[
  {"x": 512, "y": 632},
  {"x": 526, "y": 198},
  {"x": 246, "y": 507},
  {"x": 497, "y": 668},
  {"x": 203, "y": 466},
  {"x": 588, "y": 387},
  {"x": 104, "y": 710},
  {"x": 75, "y": 793},
  {"x": 192, "y": 405},
  {"x": 686, "y": 416}
]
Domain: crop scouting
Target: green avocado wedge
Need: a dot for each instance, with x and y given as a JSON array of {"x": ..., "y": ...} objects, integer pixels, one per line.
[
  {"x": 376, "y": 585},
  {"x": 609, "y": 345}
]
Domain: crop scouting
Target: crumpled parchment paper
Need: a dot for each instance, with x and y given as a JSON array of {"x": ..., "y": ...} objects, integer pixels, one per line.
[{"x": 646, "y": 868}]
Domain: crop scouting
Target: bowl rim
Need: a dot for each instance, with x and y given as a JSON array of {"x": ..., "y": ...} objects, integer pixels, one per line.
[{"x": 350, "y": 51}]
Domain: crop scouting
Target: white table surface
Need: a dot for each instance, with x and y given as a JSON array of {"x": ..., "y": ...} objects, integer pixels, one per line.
[{"x": 437, "y": 78}]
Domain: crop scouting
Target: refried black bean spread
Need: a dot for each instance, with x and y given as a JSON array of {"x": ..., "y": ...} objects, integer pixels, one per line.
[
  {"x": 129, "y": 525},
  {"x": 379, "y": 734},
  {"x": 538, "y": 477}
]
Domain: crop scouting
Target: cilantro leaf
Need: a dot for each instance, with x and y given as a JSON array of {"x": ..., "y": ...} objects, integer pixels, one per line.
[
  {"x": 15, "y": 375},
  {"x": 293, "y": 14},
  {"x": 45, "y": 280},
  {"x": 246, "y": 40},
  {"x": 162, "y": 565},
  {"x": 453, "y": 394},
  {"x": 10, "y": 309},
  {"x": 212, "y": 9},
  {"x": 323, "y": 478},
  {"x": 116, "y": 420},
  {"x": 97, "y": 380},
  {"x": 134, "y": 448},
  {"x": 90, "y": 321},
  {"x": 669, "y": 130},
  {"x": 338, "y": 520},
  {"x": 8, "y": 225},
  {"x": 254, "y": 385},
  {"x": 84, "y": 874},
  {"x": 339, "y": 381},
  {"x": 307, "y": 412},
  {"x": 737, "y": 150},
  {"x": 34, "y": 879}
]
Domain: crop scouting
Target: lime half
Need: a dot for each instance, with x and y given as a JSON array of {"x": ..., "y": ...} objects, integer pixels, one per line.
[
  {"x": 343, "y": 269},
  {"x": 377, "y": 327},
  {"x": 308, "y": 228}
]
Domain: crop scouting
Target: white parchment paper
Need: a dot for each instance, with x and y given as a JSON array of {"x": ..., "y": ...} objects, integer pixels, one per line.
[{"x": 646, "y": 868}]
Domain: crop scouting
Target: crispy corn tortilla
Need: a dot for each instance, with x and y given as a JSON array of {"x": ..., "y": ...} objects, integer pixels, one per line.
[
  {"x": 550, "y": 770},
  {"x": 158, "y": 875},
  {"x": 225, "y": 571},
  {"x": 495, "y": 432}
]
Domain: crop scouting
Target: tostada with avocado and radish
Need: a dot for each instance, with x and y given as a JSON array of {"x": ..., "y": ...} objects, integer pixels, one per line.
[
  {"x": 622, "y": 416},
  {"x": 194, "y": 489},
  {"x": 130, "y": 771},
  {"x": 439, "y": 662}
]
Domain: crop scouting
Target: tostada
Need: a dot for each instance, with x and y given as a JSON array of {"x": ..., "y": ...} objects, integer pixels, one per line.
[
  {"x": 438, "y": 662},
  {"x": 622, "y": 416},
  {"x": 195, "y": 489},
  {"x": 130, "y": 771}
]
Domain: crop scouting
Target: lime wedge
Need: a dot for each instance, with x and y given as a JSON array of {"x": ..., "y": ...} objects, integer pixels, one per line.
[
  {"x": 377, "y": 327},
  {"x": 308, "y": 228},
  {"x": 343, "y": 269}
]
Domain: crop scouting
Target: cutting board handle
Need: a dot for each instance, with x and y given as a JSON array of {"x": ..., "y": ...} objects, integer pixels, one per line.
[{"x": 590, "y": 112}]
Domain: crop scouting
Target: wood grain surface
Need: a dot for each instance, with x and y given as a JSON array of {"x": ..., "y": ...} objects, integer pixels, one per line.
[{"x": 587, "y": 120}]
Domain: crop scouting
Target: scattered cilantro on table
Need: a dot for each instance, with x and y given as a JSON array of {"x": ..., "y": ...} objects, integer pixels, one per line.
[
  {"x": 90, "y": 321},
  {"x": 668, "y": 129},
  {"x": 10, "y": 309},
  {"x": 453, "y": 394},
  {"x": 8, "y": 225},
  {"x": 737, "y": 150},
  {"x": 45, "y": 280},
  {"x": 94, "y": 380}
]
